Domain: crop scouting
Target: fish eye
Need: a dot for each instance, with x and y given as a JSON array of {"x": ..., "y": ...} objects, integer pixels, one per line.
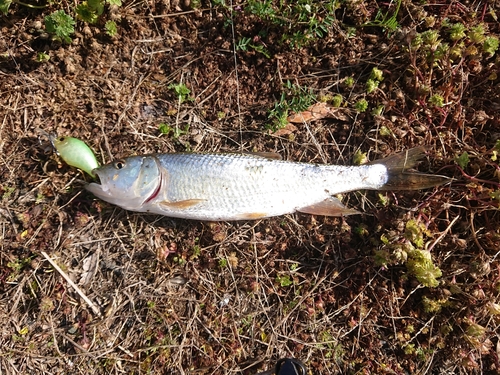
[
  {"x": 119, "y": 164},
  {"x": 61, "y": 139}
]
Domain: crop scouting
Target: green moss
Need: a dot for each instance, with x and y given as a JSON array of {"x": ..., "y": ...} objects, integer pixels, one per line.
[{"x": 421, "y": 266}]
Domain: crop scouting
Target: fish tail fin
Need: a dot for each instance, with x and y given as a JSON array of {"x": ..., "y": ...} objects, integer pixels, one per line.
[{"x": 398, "y": 177}]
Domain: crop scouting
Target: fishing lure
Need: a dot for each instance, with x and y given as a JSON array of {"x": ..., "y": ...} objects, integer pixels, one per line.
[{"x": 74, "y": 152}]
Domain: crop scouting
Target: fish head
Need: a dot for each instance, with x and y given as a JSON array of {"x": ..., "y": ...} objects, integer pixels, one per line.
[{"x": 128, "y": 183}]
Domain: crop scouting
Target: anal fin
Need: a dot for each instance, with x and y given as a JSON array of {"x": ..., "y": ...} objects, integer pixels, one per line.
[
  {"x": 180, "y": 205},
  {"x": 251, "y": 216},
  {"x": 329, "y": 207}
]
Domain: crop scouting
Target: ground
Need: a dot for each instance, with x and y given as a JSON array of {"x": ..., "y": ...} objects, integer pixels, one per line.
[{"x": 411, "y": 285}]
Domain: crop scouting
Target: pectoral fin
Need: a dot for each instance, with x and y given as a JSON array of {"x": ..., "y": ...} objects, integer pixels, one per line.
[
  {"x": 329, "y": 207},
  {"x": 180, "y": 205}
]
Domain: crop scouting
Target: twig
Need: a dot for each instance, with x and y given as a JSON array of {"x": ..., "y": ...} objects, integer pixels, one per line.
[
  {"x": 474, "y": 233},
  {"x": 54, "y": 337},
  {"x": 94, "y": 308},
  {"x": 76, "y": 344},
  {"x": 443, "y": 234}
]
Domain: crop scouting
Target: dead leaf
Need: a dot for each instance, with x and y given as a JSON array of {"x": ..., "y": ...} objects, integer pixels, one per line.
[
  {"x": 89, "y": 269},
  {"x": 233, "y": 260},
  {"x": 319, "y": 111},
  {"x": 287, "y": 129}
]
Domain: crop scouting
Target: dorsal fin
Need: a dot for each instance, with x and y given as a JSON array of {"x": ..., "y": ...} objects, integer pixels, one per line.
[{"x": 267, "y": 155}]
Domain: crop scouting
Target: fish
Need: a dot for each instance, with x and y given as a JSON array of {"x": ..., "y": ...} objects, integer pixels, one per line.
[{"x": 227, "y": 187}]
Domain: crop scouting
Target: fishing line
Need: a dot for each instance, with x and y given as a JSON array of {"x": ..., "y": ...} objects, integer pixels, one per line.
[{"x": 236, "y": 76}]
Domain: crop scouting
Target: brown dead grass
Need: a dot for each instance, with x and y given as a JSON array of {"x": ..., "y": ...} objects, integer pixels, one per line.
[{"x": 184, "y": 297}]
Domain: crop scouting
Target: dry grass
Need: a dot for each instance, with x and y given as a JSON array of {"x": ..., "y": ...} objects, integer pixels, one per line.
[{"x": 183, "y": 297}]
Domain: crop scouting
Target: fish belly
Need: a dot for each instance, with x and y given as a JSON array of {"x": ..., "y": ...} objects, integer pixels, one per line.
[{"x": 238, "y": 187}]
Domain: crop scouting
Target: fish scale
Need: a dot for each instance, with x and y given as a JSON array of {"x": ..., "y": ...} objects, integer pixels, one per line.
[
  {"x": 241, "y": 186},
  {"x": 246, "y": 185}
]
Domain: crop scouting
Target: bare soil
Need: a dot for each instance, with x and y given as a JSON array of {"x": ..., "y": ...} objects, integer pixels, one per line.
[{"x": 176, "y": 296}]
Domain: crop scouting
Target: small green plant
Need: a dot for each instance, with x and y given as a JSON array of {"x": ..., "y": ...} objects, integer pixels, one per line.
[
  {"x": 301, "y": 22},
  {"x": 179, "y": 260},
  {"x": 220, "y": 3},
  {"x": 196, "y": 252},
  {"x": 441, "y": 52},
  {"x": 385, "y": 20},
  {"x": 164, "y": 128},
  {"x": 490, "y": 45},
  {"x": 60, "y": 24},
  {"x": 182, "y": 92},
  {"x": 294, "y": 98},
  {"x": 371, "y": 85},
  {"x": 337, "y": 100},
  {"x": 262, "y": 9},
  {"x": 42, "y": 57},
  {"x": 476, "y": 34},
  {"x": 5, "y": 5},
  {"x": 284, "y": 280},
  {"x": 437, "y": 100},
  {"x": 462, "y": 160},
  {"x": 376, "y": 76},
  {"x": 420, "y": 262},
  {"x": 428, "y": 40},
  {"x": 362, "y": 230},
  {"x": 176, "y": 132},
  {"x": 111, "y": 28},
  {"x": 433, "y": 306},
  {"x": 7, "y": 191},
  {"x": 330, "y": 346},
  {"x": 17, "y": 266},
  {"x": 244, "y": 43},
  {"x": 359, "y": 157},
  {"x": 456, "y": 31},
  {"x": 409, "y": 251},
  {"x": 378, "y": 110},
  {"x": 89, "y": 11},
  {"x": 279, "y": 114},
  {"x": 384, "y": 131},
  {"x": 414, "y": 232},
  {"x": 195, "y": 4},
  {"x": 382, "y": 199},
  {"x": 421, "y": 266},
  {"x": 361, "y": 105},
  {"x": 349, "y": 81}
]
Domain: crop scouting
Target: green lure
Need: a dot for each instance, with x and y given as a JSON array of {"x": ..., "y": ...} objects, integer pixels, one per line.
[{"x": 75, "y": 153}]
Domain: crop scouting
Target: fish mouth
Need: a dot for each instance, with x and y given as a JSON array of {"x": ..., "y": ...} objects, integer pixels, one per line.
[{"x": 97, "y": 187}]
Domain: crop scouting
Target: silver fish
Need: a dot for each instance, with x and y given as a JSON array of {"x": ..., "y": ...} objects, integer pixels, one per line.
[{"x": 241, "y": 186}]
